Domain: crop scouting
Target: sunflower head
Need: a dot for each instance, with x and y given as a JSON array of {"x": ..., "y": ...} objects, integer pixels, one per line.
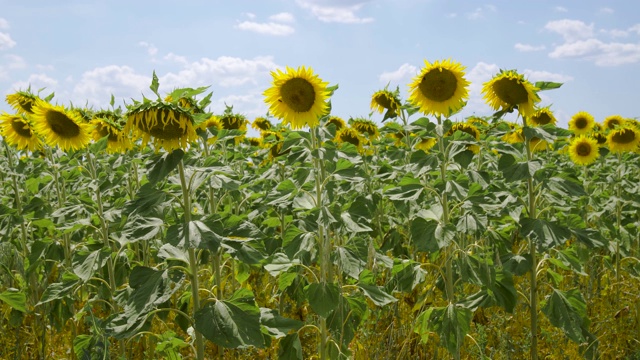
[
  {"x": 386, "y": 101},
  {"x": 261, "y": 123},
  {"x": 16, "y": 130},
  {"x": 22, "y": 101},
  {"x": 542, "y": 117},
  {"x": 466, "y": 128},
  {"x": 254, "y": 141},
  {"x": 365, "y": 127},
  {"x": 599, "y": 137},
  {"x": 583, "y": 150},
  {"x": 351, "y": 136},
  {"x": 440, "y": 88},
  {"x": 273, "y": 140},
  {"x": 613, "y": 122},
  {"x": 230, "y": 121},
  {"x": 509, "y": 89},
  {"x": 108, "y": 123},
  {"x": 537, "y": 144},
  {"x": 426, "y": 144},
  {"x": 581, "y": 123},
  {"x": 60, "y": 127},
  {"x": 336, "y": 121},
  {"x": 625, "y": 139},
  {"x": 478, "y": 122},
  {"x": 298, "y": 97},
  {"x": 513, "y": 137}
]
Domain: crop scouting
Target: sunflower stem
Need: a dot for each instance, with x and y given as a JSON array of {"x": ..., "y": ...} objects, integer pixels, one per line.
[
  {"x": 618, "y": 225},
  {"x": 533, "y": 295}
]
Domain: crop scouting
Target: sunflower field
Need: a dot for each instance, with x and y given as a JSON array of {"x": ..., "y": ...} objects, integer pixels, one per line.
[{"x": 162, "y": 231}]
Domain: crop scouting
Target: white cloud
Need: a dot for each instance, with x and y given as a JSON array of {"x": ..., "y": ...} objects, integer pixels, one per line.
[
  {"x": 404, "y": 73},
  {"x": 36, "y": 81},
  {"x": 477, "y": 76},
  {"x": 606, "y": 10},
  {"x": 250, "y": 15},
  {"x": 602, "y": 54},
  {"x": 537, "y": 75},
  {"x": 176, "y": 58},
  {"x": 96, "y": 86},
  {"x": 282, "y": 17},
  {"x": 560, "y": 9},
  {"x": 528, "y": 48},
  {"x": 335, "y": 11},
  {"x": 151, "y": 49},
  {"x": 479, "y": 13},
  {"x": 45, "y": 67},
  {"x": 269, "y": 28},
  {"x": 4, "y": 24},
  {"x": 615, "y": 33},
  {"x": 6, "y": 42},
  {"x": 15, "y": 62},
  {"x": 635, "y": 28},
  {"x": 571, "y": 30}
]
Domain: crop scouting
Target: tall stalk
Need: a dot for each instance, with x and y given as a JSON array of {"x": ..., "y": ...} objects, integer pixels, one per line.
[{"x": 533, "y": 295}]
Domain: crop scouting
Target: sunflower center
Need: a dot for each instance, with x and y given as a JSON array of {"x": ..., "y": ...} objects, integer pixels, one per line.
[
  {"x": 581, "y": 123},
  {"x": 298, "y": 94},
  {"x": 165, "y": 131},
  {"x": 383, "y": 101},
  {"x": 26, "y": 105},
  {"x": 583, "y": 149},
  {"x": 511, "y": 91},
  {"x": 601, "y": 139},
  {"x": 624, "y": 136},
  {"x": 542, "y": 119},
  {"x": 21, "y": 128},
  {"x": 62, "y": 125},
  {"x": 350, "y": 138},
  {"x": 438, "y": 85},
  {"x": 613, "y": 123}
]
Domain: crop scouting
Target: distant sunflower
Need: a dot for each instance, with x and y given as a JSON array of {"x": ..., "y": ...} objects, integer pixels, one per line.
[
  {"x": 474, "y": 120},
  {"x": 60, "y": 127},
  {"x": 170, "y": 126},
  {"x": 398, "y": 137},
  {"x": 16, "y": 131},
  {"x": 364, "y": 126},
  {"x": 117, "y": 141},
  {"x": 537, "y": 144},
  {"x": 513, "y": 137},
  {"x": 625, "y": 139},
  {"x": 385, "y": 100},
  {"x": 233, "y": 122},
  {"x": 254, "y": 141},
  {"x": 613, "y": 122},
  {"x": 22, "y": 101},
  {"x": 581, "y": 123},
  {"x": 298, "y": 97},
  {"x": 336, "y": 121},
  {"x": 440, "y": 88},
  {"x": 273, "y": 141},
  {"x": 583, "y": 150},
  {"x": 542, "y": 116},
  {"x": 509, "y": 89},
  {"x": 351, "y": 136},
  {"x": 469, "y": 129},
  {"x": 212, "y": 121},
  {"x": 600, "y": 138},
  {"x": 426, "y": 144},
  {"x": 261, "y": 123}
]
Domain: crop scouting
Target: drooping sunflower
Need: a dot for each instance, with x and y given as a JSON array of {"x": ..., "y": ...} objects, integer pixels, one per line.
[
  {"x": 16, "y": 131},
  {"x": 514, "y": 136},
  {"x": 169, "y": 125},
  {"x": 365, "y": 127},
  {"x": 336, "y": 121},
  {"x": 298, "y": 97},
  {"x": 537, "y": 144},
  {"x": 509, "y": 89},
  {"x": 469, "y": 129},
  {"x": 426, "y": 144},
  {"x": 583, "y": 150},
  {"x": 600, "y": 138},
  {"x": 273, "y": 140},
  {"x": 22, "y": 101},
  {"x": 581, "y": 123},
  {"x": 351, "y": 136},
  {"x": 386, "y": 101},
  {"x": 233, "y": 122},
  {"x": 613, "y": 122},
  {"x": 542, "y": 116},
  {"x": 60, "y": 127},
  {"x": 478, "y": 122},
  {"x": 261, "y": 123},
  {"x": 440, "y": 88},
  {"x": 254, "y": 141},
  {"x": 625, "y": 139},
  {"x": 106, "y": 124}
]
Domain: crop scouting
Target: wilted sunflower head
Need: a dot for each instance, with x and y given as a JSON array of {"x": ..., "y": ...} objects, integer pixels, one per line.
[
  {"x": 613, "y": 122},
  {"x": 16, "y": 131},
  {"x": 542, "y": 116},
  {"x": 509, "y": 89},
  {"x": 581, "y": 123},
  {"x": 351, "y": 136},
  {"x": 261, "y": 123},
  {"x": 105, "y": 124},
  {"x": 385, "y": 100},
  {"x": 22, "y": 101},
  {"x": 365, "y": 127},
  {"x": 425, "y": 144},
  {"x": 599, "y": 137},
  {"x": 233, "y": 122},
  {"x": 466, "y": 128},
  {"x": 169, "y": 125},
  {"x": 625, "y": 139},
  {"x": 537, "y": 144},
  {"x": 254, "y": 141},
  {"x": 440, "y": 88},
  {"x": 583, "y": 150},
  {"x": 60, "y": 127},
  {"x": 513, "y": 137},
  {"x": 336, "y": 121},
  {"x": 298, "y": 97},
  {"x": 478, "y": 122}
]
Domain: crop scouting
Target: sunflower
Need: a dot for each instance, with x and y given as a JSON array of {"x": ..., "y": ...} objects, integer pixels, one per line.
[
  {"x": 22, "y": 101},
  {"x": 599, "y": 137},
  {"x": 273, "y": 140},
  {"x": 16, "y": 131},
  {"x": 426, "y": 144},
  {"x": 298, "y": 97},
  {"x": 469, "y": 129},
  {"x": 440, "y": 88},
  {"x": 233, "y": 122},
  {"x": 624, "y": 139},
  {"x": 117, "y": 141},
  {"x": 474, "y": 120},
  {"x": 336, "y": 121},
  {"x": 385, "y": 100},
  {"x": 613, "y": 122},
  {"x": 509, "y": 89},
  {"x": 364, "y": 126},
  {"x": 583, "y": 150},
  {"x": 261, "y": 123},
  {"x": 542, "y": 116},
  {"x": 254, "y": 141},
  {"x": 581, "y": 123},
  {"x": 537, "y": 144},
  {"x": 513, "y": 137},
  {"x": 170, "y": 125},
  {"x": 351, "y": 136},
  {"x": 212, "y": 121},
  {"x": 58, "y": 126}
]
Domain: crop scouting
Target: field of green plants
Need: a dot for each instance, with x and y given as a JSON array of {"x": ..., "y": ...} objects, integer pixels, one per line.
[{"x": 161, "y": 231}]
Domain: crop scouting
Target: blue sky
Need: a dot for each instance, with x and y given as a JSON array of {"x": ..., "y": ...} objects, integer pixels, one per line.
[{"x": 86, "y": 50}]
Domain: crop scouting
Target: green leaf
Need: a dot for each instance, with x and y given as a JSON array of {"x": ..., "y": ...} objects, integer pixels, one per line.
[
  {"x": 155, "y": 84},
  {"x": 430, "y": 235},
  {"x": 146, "y": 199},
  {"x": 349, "y": 262},
  {"x": 452, "y": 323},
  {"x": 230, "y": 324},
  {"x": 544, "y": 233},
  {"x": 377, "y": 295},
  {"x": 276, "y": 325},
  {"x": 85, "y": 264},
  {"x": 278, "y": 263},
  {"x": 515, "y": 171},
  {"x": 170, "y": 252},
  {"x": 140, "y": 228},
  {"x": 323, "y": 297},
  {"x": 14, "y": 298},
  {"x": 352, "y": 226},
  {"x": 547, "y": 85},
  {"x": 344, "y": 321},
  {"x": 164, "y": 165},
  {"x": 567, "y": 310},
  {"x": 60, "y": 290},
  {"x": 290, "y": 348}
]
